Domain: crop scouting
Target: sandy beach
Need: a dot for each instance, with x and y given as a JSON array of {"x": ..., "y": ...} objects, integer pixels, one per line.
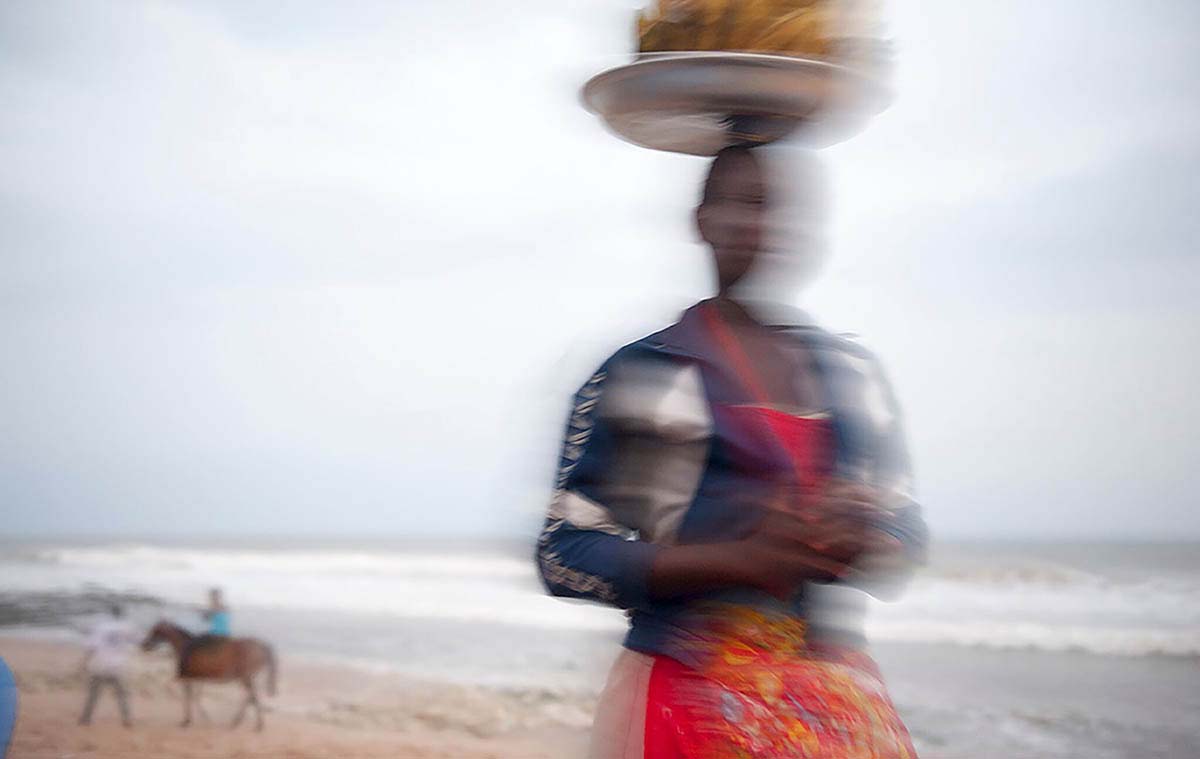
[{"x": 321, "y": 711}]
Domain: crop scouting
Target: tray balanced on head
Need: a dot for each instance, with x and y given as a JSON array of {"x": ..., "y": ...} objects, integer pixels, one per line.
[
  {"x": 710, "y": 73},
  {"x": 701, "y": 102}
]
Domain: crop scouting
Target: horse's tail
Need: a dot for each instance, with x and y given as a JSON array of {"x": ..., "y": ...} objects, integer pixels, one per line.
[{"x": 271, "y": 668}]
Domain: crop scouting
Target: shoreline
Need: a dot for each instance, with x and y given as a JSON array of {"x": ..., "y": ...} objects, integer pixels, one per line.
[
  {"x": 322, "y": 710},
  {"x": 992, "y": 703}
]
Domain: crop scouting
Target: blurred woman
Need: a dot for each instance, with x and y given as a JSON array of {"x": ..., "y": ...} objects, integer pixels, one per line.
[{"x": 727, "y": 481}]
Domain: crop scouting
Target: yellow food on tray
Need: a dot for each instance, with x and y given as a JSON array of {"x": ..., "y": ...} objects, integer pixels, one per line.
[{"x": 839, "y": 31}]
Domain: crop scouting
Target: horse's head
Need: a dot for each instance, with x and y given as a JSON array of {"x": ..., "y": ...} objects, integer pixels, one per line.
[{"x": 161, "y": 631}]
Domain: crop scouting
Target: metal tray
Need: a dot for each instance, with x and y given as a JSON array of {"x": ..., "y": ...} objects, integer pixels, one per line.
[{"x": 700, "y": 102}]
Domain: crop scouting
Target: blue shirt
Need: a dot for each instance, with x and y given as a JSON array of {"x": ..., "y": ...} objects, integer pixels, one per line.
[{"x": 218, "y": 622}]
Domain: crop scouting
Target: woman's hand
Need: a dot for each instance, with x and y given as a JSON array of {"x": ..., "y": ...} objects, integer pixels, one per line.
[
  {"x": 843, "y": 520},
  {"x": 786, "y": 550},
  {"x": 826, "y": 536},
  {"x": 814, "y": 540}
]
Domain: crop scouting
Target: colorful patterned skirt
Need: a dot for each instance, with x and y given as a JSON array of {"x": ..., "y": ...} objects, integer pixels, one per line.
[{"x": 764, "y": 694}]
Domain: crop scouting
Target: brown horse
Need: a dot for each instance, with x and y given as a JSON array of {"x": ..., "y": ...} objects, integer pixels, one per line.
[{"x": 216, "y": 658}]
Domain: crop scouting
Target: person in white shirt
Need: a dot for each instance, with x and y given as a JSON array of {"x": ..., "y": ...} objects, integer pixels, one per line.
[{"x": 108, "y": 648}]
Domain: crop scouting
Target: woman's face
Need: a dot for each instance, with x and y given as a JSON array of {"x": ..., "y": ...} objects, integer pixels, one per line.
[
  {"x": 764, "y": 216},
  {"x": 732, "y": 217}
]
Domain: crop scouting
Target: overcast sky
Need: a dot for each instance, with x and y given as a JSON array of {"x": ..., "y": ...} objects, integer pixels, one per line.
[{"x": 320, "y": 268}]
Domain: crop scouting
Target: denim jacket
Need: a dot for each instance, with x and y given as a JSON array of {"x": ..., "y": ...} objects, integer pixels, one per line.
[{"x": 645, "y": 464}]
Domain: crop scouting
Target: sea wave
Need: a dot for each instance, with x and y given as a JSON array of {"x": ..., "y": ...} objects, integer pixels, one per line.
[
  {"x": 997, "y": 602},
  {"x": 1132, "y": 641},
  {"x": 468, "y": 587},
  {"x": 150, "y": 558},
  {"x": 1036, "y": 604}
]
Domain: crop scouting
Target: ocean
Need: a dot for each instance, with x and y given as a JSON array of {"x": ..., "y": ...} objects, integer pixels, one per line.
[{"x": 996, "y": 650}]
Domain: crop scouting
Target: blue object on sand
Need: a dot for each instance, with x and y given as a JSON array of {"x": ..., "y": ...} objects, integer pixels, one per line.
[{"x": 8, "y": 706}]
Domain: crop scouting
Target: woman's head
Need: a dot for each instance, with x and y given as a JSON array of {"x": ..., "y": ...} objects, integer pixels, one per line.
[
  {"x": 762, "y": 213},
  {"x": 732, "y": 213}
]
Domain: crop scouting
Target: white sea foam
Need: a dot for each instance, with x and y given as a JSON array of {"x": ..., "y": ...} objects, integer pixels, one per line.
[
  {"x": 149, "y": 558},
  {"x": 988, "y": 601},
  {"x": 1007, "y": 603},
  {"x": 472, "y": 587}
]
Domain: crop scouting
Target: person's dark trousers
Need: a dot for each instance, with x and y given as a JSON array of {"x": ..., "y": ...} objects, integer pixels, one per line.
[{"x": 94, "y": 685}]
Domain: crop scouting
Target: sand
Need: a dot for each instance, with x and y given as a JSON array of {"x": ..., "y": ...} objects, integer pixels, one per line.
[{"x": 322, "y": 710}]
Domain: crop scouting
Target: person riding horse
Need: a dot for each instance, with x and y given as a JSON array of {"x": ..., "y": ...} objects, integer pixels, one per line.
[{"x": 221, "y": 659}]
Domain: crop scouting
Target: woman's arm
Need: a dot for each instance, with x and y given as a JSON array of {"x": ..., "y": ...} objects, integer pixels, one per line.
[
  {"x": 584, "y": 550},
  {"x": 776, "y": 558}
]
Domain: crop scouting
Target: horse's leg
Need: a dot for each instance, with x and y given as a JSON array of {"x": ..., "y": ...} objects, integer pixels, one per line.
[
  {"x": 200, "y": 705},
  {"x": 248, "y": 681},
  {"x": 241, "y": 712},
  {"x": 187, "y": 703}
]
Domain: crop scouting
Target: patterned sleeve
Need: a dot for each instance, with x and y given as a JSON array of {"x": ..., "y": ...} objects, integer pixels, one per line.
[{"x": 585, "y": 550}]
